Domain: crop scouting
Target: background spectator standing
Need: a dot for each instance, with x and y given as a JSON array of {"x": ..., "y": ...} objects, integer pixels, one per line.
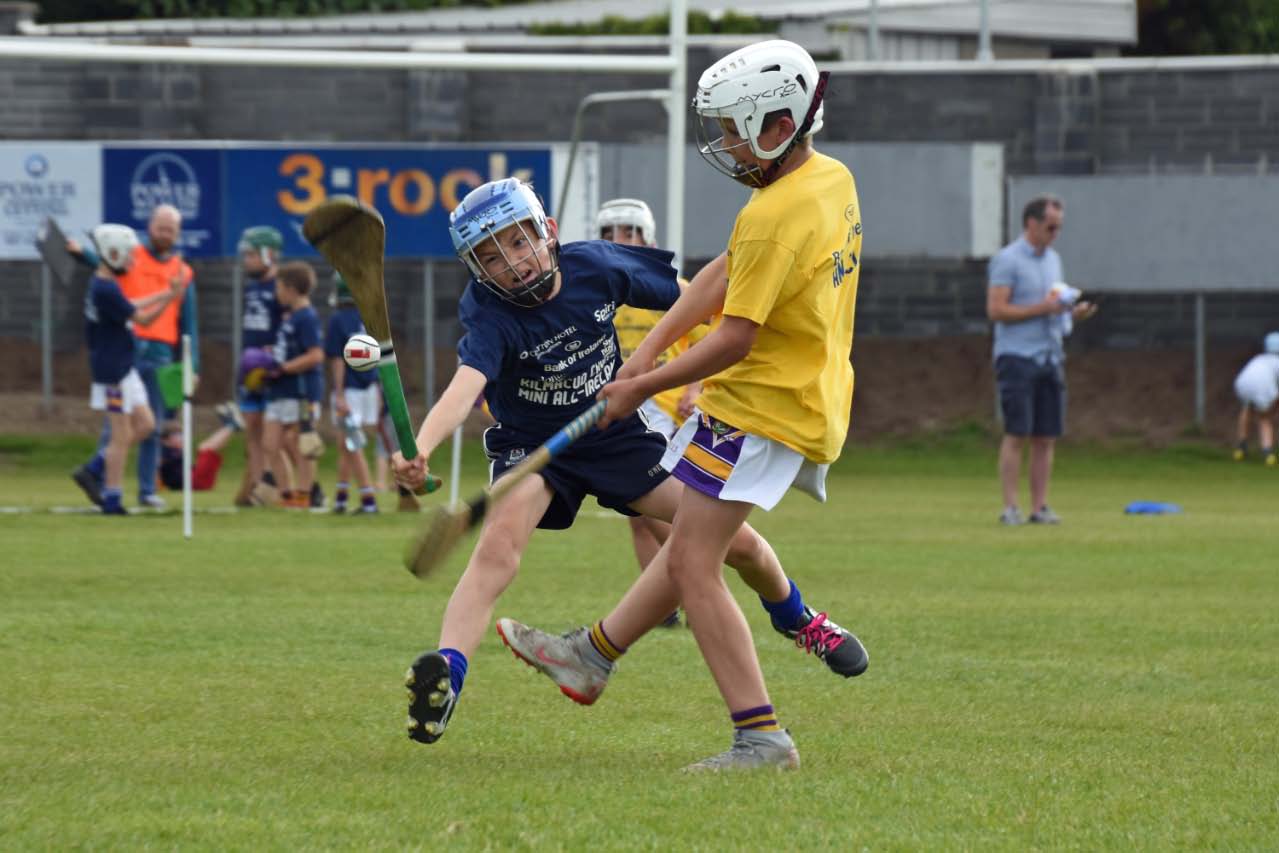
[{"x": 1029, "y": 304}]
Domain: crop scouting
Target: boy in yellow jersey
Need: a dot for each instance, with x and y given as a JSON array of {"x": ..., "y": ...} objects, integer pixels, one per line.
[
  {"x": 629, "y": 221},
  {"x": 779, "y": 381}
]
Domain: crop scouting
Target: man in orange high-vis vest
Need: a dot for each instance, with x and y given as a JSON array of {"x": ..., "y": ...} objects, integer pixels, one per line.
[{"x": 156, "y": 263}]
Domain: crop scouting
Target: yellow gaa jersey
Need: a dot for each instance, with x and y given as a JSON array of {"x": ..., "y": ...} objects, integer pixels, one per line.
[
  {"x": 793, "y": 261},
  {"x": 633, "y": 325}
]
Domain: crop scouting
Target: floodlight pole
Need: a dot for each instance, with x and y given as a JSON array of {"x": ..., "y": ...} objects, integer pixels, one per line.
[
  {"x": 1201, "y": 358},
  {"x": 237, "y": 322},
  {"x": 872, "y": 32},
  {"x": 46, "y": 338},
  {"x": 428, "y": 332},
  {"x": 676, "y": 131},
  {"x": 984, "y": 53},
  {"x": 589, "y": 101}
]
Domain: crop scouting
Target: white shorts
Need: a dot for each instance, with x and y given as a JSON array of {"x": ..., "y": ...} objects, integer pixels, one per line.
[
  {"x": 365, "y": 403},
  {"x": 285, "y": 411},
  {"x": 656, "y": 419},
  {"x": 121, "y": 398},
  {"x": 733, "y": 465},
  {"x": 1259, "y": 396}
]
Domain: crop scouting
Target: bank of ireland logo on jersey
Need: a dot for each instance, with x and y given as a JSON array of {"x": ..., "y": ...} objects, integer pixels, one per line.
[{"x": 164, "y": 178}]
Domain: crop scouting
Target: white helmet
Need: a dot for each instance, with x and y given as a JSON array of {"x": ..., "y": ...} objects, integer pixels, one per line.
[
  {"x": 115, "y": 245},
  {"x": 746, "y": 86},
  {"x": 1272, "y": 343},
  {"x": 627, "y": 211}
]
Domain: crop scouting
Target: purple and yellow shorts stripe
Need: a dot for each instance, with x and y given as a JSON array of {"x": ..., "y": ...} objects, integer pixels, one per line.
[
  {"x": 709, "y": 458},
  {"x": 115, "y": 399}
]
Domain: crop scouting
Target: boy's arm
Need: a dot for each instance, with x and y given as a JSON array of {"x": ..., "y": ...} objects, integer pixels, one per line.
[
  {"x": 451, "y": 410},
  {"x": 304, "y": 362},
  {"x": 148, "y": 308},
  {"x": 337, "y": 370},
  {"x": 445, "y": 416},
  {"x": 703, "y": 298},
  {"x": 728, "y": 344}
]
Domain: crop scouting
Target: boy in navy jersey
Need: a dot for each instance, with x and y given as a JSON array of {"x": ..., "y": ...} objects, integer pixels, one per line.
[
  {"x": 297, "y": 351},
  {"x": 539, "y": 344},
  {"x": 260, "y": 248},
  {"x": 356, "y": 402},
  {"x": 117, "y": 388}
]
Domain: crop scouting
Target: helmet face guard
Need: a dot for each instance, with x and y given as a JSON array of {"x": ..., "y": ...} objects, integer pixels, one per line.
[
  {"x": 265, "y": 241},
  {"x": 114, "y": 244},
  {"x": 502, "y": 234},
  {"x": 737, "y": 94},
  {"x": 523, "y": 272},
  {"x": 627, "y": 211},
  {"x": 719, "y": 154}
]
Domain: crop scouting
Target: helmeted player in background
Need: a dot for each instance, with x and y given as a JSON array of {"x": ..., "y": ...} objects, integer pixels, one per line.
[
  {"x": 1257, "y": 387},
  {"x": 156, "y": 265},
  {"x": 778, "y": 385},
  {"x": 539, "y": 343},
  {"x": 356, "y": 402},
  {"x": 117, "y": 388},
  {"x": 260, "y": 248},
  {"x": 629, "y": 221}
]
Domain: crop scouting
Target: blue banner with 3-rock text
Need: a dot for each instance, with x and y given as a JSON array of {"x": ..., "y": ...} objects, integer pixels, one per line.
[{"x": 221, "y": 191}]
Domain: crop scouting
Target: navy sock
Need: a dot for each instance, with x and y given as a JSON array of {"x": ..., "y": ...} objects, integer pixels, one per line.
[
  {"x": 96, "y": 465},
  {"x": 111, "y": 497},
  {"x": 457, "y": 669},
  {"x": 786, "y": 614}
]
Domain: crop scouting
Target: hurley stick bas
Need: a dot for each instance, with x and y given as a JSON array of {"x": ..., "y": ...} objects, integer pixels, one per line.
[
  {"x": 446, "y": 525},
  {"x": 352, "y": 237}
]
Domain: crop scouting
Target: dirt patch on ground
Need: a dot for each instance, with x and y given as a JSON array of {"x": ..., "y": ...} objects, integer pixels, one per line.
[{"x": 904, "y": 387}]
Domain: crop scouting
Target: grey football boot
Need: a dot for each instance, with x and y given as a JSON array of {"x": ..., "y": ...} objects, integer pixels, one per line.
[
  {"x": 565, "y": 659},
  {"x": 752, "y": 751}
]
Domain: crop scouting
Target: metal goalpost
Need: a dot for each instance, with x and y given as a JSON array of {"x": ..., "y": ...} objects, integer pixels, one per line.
[{"x": 673, "y": 65}]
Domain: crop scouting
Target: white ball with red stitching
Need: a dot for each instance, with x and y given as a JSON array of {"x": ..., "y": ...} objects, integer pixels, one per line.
[{"x": 361, "y": 352}]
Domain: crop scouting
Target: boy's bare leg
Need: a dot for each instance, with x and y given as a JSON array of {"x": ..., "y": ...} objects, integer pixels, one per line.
[
  {"x": 647, "y": 535},
  {"x": 493, "y": 564},
  {"x": 117, "y": 450},
  {"x": 254, "y": 458},
  {"x": 703, "y": 529},
  {"x": 436, "y": 678},
  {"x": 217, "y": 440}
]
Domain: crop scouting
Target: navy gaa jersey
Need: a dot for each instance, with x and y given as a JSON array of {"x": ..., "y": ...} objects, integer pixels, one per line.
[
  {"x": 262, "y": 313},
  {"x": 107, "y": 332},
  {"x": 299, "y": 331},
  {"x": 545, "y": 365},
  {"x": 344, "y": 323}
]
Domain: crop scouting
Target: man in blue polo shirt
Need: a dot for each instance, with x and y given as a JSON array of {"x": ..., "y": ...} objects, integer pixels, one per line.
[{"x": 1033, "y": 311}]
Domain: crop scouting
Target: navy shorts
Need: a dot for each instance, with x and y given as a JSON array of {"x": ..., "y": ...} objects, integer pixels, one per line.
[
  {"x": 1032, "y": 396},
  {"x": 617, "y": 466}
]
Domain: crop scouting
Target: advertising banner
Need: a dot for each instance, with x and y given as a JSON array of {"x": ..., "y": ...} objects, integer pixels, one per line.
[
  {"x": 38, "y": 180},
  {"x": 414, "y": 189},
  {"x": 137, "y": 179}
]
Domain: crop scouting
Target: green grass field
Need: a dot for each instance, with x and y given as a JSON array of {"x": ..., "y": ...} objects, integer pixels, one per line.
[{"x": 1108, "y": 684}]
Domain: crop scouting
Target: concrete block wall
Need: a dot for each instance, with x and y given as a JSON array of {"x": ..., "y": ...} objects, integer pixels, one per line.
[{"x": 1069, "y": 119}]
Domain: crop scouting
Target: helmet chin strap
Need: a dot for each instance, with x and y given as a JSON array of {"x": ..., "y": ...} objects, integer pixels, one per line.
[{"x": 766, "y": 177}]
